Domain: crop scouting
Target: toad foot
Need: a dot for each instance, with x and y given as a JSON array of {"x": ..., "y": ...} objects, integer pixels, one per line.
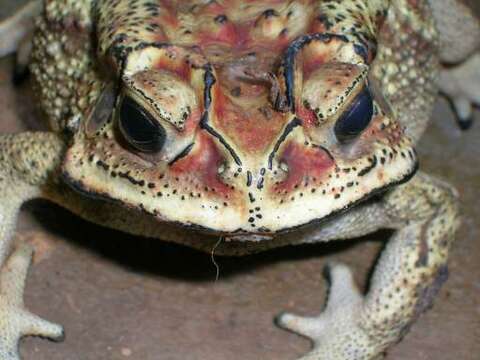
[
  {"x": 15, "y": 321},
  {"x": 461, "y": 85},
  {"x": 335, "y": 333}
]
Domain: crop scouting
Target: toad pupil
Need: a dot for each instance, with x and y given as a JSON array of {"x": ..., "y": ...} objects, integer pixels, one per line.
[
  {"x": 356, "y": 118},
  {"x": 139, "y": 128}
]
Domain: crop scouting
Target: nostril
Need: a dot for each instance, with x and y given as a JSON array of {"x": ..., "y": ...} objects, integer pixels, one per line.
[
  {"x": 227, "y": 172},
  {"x": 221, "y": 169},
  {"x": 279, "y": 173},
  {"x": 284, "y": 166}
]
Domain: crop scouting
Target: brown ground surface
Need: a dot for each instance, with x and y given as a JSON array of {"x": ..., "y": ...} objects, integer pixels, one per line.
[{"x": 122, "y": 297}]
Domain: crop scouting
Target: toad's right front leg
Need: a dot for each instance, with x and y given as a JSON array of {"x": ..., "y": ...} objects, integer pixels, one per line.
[
  {"x": 407, "y": 277},
  {"x": 27, "y": 161}
]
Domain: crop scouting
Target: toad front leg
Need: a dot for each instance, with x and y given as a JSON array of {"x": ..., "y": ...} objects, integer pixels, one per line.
[
  {"x": 407, "y": 277},
  {"x": 26, "y": 161}
]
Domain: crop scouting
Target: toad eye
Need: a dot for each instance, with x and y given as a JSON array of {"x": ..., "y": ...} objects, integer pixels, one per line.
[
  {"x": 139, "y": 128},
  {"x": 356, "y": 118}
]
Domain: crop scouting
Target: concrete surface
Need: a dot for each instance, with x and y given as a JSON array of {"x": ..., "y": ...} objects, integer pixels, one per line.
[{"x": 121, "y": 297}]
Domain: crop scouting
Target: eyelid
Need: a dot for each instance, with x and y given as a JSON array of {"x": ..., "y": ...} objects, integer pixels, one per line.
[
  {"x": 330, "y": 89},
  {"x": 102, "y": 111},
  {"x": 164, "y": 94}
]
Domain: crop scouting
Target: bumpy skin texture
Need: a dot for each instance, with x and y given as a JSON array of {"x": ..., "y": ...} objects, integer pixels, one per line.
[
  {"x": 21, "y": 178},
  {"x": 247, "y": 95},
  {"x": 228, "y": 150}
]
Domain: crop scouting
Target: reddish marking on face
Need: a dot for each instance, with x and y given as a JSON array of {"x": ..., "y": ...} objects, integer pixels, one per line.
[
  {"x": 282, "y": 42},
  {"x": 313, "y": 63},
  {"x": 202, "y": 165},
  {"x": 169, "y": 17},
  {"x": 317, "y": 27},
  {"x": 307, "y": 116},
  {"x": 393, "y": 134},
  {"x": 246, "y": 126},
  {"x": 191, "y": 124},
  {"x": 160, "y": 36},
  {"x": 170, "y": 20},
  {"x": 236, "y": 36},
  {"x": 303, "y": 162},
  {"x": 182, "y": 69},
  {"x": 214, "y": 7}
]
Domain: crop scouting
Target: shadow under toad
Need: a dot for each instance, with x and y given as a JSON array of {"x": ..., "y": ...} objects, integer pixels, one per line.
[{"x": 158, "y": 257}]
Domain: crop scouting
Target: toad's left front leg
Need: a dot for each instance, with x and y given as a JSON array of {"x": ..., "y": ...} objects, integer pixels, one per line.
[
  {"x": 28, "y": 162},
  {"x": 407, "y": 278}
]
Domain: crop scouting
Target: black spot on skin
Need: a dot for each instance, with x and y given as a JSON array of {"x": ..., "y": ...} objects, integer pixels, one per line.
[
  {"x": 324, "y": 20},
  {"x": 103, "y": 165},
  {"x": 260, "y": 183},
  {"x": 127, "y": 176},
  {"x": 220, "y": 19},
  {"x": 366, "y": 170},
  {"x": 269, "y": 13}
]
